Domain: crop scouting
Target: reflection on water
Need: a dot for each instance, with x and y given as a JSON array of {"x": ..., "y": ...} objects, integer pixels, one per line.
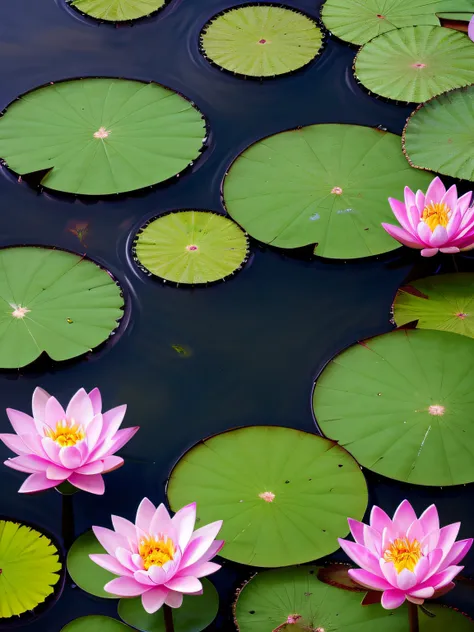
[{"x": 193, "y": 362}]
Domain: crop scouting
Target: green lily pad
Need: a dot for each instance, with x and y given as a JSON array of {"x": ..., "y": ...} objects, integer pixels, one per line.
[
  {"x": 438, "y": 135},
  {"x": 267, "y": 600},
  {"x": 402, "y": 405},
  {"x": 96, "y": 623},
  {"x": 101, "y": 136},
  {"x": 415, "y": 63},
  {"x": 358, "y": 21},
  {"x": 30, "y": 568},
  {"x": 117, "y": 10},
  {"x": 84, "y": 572},
  {"x": 54, "y": 302},
  {"x": 444, "y": 302},
  {"x": 323, "y": 184},
  {"x": 283, "y": 494},
  {"x": 191, "y": 247},
  {"x": 261, "y": 40},
  {"x": 196, "y": 613}
]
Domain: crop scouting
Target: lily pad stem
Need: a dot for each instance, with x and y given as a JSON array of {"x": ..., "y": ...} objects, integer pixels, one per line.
[
  {"x": 168, "y": 615},
  {"x": 412, "y": 617}
]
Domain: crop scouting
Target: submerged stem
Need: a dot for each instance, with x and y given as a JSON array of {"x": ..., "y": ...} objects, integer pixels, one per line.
[
  {"x": 168, "y": 615},
  {"x": 413, "y": 617}
]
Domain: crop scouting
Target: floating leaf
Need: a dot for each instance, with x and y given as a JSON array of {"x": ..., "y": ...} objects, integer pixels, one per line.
[
  {"x": 191, "y": 247},
  {"x": 117, "y": 10},
  {"x": 438, "y": 135},
  {"x": 415, "y": 63},
  {"x": 196, "y": 613},
  {"x": 261, "y": 40},
  {"x": 444, "y": 302},
  {"x": 30, "y": 567},
  {"x": 271, "y": 597},
  {"x": 101, "y": 136},
  {"x": 402, "y": 405},
  {"x": 323, "y": 184},
  {"x": 359, "y": 21},
  {"x": 96, "y": 623},
  {"x": 83, "y": 571},
  {"x": 54, "y": 302},
  {"x": 279, "y": 492}
]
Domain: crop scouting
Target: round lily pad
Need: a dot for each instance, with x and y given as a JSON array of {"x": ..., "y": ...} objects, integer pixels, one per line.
[
  {"x": 402, "y": 405},
  {"x": 358, "y": 21},
  {"x": 101, "y": 136},
  {"x": 54, "y": 302},
  {"x": 323, "y": 184},
  {"x": 415, "y": 63},
  {"x": 96, "y": 623},
  {"x": 191, "y": 247},
  {"x": 84, "y": 572},
  {"x": 261, "y": 40},
  {"x": 271, "y": 598},
  {"x": 444, "y": 301},
  {"x": 30, "y": 568},
  {"x": 195, "y": 614},
  {"x": 117, "y": 10},
  {"x": 438, "y": 135},
  {"x": 279, "y": 492}
]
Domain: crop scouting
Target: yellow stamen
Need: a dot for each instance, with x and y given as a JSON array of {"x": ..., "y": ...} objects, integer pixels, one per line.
[
  {"x": 404, "y": 553},
  {"x": 156, "y": 550},
  {"x": 436, "y": 214},
  {"x": 66, "y": 433}
]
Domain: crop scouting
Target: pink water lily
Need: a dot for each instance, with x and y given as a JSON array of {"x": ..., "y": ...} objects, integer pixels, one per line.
[
  {"x": 76, "y": 445},
  {"x": 159, "y": 557},
  {"x": 405, "y": 557},
  {"x": 470, "y": 30},
  {"x": 435, "y": 221}
]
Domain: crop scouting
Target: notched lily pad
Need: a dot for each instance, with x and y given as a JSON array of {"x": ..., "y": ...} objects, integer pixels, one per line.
[
  {"x": 415, "y": 63},
  {"x": 261, "y": 40},
  {"x": 402, "y": 405},
  {"x": 291, "y": 599},
  {"x": 438, "y": 135},
  {"x": 53, "y": 302},
  {"x": 191, "y": 247},
  {"x": 322, "y": 184},
  {"x": 444, "y": 302},
  {"x": 101, "y": 136},
  {"x": 279, "y": 492}
]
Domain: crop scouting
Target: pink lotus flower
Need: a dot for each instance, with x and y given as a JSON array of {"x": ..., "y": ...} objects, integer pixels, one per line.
[
  {"x": 158, "y": 557},
  {"x": 470, "y": 30},
  {"x": 77, "y": 445},
  {"x": 436, "y": 221},
  {"x": 407, "y": 557}
]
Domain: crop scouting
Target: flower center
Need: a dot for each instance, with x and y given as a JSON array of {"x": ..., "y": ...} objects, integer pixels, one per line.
[
  {"x": 436, "y": 214},
  {"x": 19, "y": 311},
  {"x": 404, "y": 553},
  {"x": 156, "y": 550},
  {"x": 66, "y": 433},
  {"x": 268, "y": 497},
  {"x": 436, "y": 410},
  {"x": 102, "y": 133}
]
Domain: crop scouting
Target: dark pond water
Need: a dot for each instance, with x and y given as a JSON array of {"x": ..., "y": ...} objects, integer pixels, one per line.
[{"x": 256, "y": 342}]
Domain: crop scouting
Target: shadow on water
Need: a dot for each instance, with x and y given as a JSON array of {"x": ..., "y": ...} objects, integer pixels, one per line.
[{"x": 253, "y": 344}]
